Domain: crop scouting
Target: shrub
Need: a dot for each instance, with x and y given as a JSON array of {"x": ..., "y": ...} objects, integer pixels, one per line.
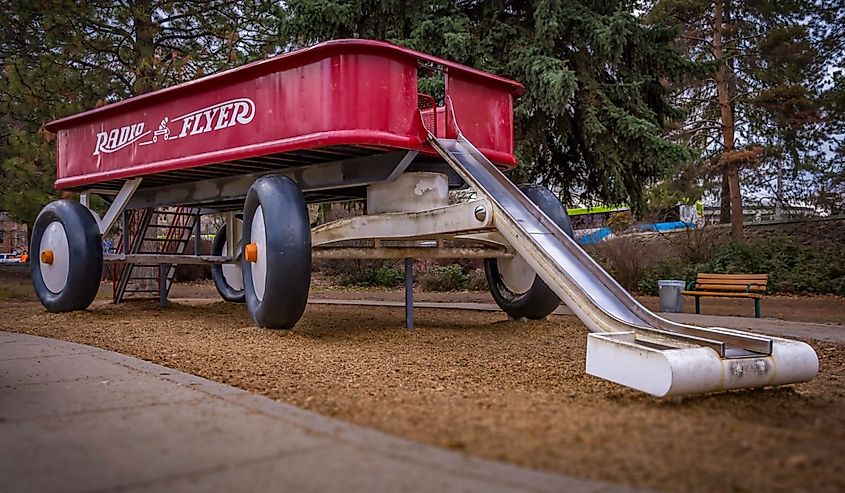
[
  {"x": 618, "y": 222},
  {"x": 476, "y": 280},
  {"x": 387, "y": 276},
  {"x": 666, "y": 270},
  {"x": 625, "y": 259},
  {"x": 692, "y": 245},
  {"x": 370, "y": 274},
  {"x": 443, "y": 278},
  {"x": 792, "y": 267}
]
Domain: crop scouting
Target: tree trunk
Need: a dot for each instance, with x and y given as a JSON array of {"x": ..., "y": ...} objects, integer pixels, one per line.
[
  {"x": 723, "y": 89},
  {"x": 145, "y": 31},
  {"x": 725, "y": 200},
  {"x": 779, "y": 192}
]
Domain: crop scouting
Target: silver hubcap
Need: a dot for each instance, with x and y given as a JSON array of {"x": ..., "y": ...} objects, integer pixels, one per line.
[
  {"x": 259, "y": 267},
  {"x": 55, "y": 274},
  {"x": 516, "y": 274}
]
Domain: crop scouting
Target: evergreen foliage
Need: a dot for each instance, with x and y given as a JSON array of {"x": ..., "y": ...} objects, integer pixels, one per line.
[
  {"x": 777, "y": 59},
  {"x": 598, "y": 121},
  {"x": 592, "y": 121},
  {"x": 61, "y": 57}
]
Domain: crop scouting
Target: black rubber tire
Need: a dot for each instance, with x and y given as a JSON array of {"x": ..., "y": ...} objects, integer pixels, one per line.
[
  {"x": 227, "y": 292},
  {"x": 85, "y": 256},
  {"x": 539, "y": 301},
  {"x": 288, "y": 250}
]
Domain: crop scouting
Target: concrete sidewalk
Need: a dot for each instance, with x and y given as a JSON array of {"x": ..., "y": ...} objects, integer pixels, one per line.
[{"x": 77, "y": 418}]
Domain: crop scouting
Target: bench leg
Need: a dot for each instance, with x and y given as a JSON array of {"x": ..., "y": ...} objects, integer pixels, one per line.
[
  {"x": 756, "y": 307},
  {"x": 697, "y": 305}
]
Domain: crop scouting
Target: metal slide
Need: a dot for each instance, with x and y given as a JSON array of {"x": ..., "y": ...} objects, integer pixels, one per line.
[{"x": 629, "y": 344}]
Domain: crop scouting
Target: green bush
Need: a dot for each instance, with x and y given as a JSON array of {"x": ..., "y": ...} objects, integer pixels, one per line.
[
  {"x": 443, "y": 278},
  {"x": 792, "y": 267},
  {"x": 382, "y": 274},
  {"x": 476, "y": 280}
]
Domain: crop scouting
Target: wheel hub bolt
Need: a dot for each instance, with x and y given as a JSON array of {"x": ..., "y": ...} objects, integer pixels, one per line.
[
  {"x": 251, "y": 252},
  {"x": 47, "y": 257}
]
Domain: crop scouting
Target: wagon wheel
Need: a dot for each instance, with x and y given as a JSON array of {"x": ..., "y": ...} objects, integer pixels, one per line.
[
  {"x": 66, "y": 256},
  {"x": 515, "y": 286},
  {"x": 277, "y": 252},
  {"x": 228, "y": 278}
]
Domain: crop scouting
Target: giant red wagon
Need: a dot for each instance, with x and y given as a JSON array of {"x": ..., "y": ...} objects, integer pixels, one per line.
[
  {"x": 341, "y": 99},
  {"x": 339, "y": 121}
]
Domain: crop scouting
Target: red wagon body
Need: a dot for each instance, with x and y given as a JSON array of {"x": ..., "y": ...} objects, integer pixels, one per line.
[{"x": 336, "y": 100}]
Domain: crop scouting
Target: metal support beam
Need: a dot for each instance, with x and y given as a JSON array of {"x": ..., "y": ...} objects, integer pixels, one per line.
[
  {"x": 169, "y": 258},
  {"x": 197, "y": 240},
  {"x": 230, "y": 233},
  {"x": 345, "y": 173},
  {"x": 409, "y": 292},
  {"x": 374, "y": 253},
  {"x": 124, "y": 237},
  {"x": 162, "y": 285},
  {"x": 117, "y": 206},
  {"x": 466, "y": 217}
]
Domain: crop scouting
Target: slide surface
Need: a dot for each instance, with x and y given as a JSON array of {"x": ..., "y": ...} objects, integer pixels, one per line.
[{"x": 595, "y": 297}]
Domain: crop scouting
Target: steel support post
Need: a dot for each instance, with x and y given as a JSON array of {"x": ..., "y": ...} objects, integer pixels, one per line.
[
  {"x": 409, "y": 292},
  {"x": 117, "y": 206},
  {"x": 230, "y": 233},
  {"x": 125, "y": 236},
  {"x": 197, "y": 233},
  {"x": 162, "y": 285}
]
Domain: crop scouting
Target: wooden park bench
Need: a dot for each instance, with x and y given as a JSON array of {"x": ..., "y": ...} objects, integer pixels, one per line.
[{"x": 728, "y": 286}]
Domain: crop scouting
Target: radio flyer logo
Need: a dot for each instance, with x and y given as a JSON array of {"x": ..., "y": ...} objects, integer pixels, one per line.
[{"x": 212, "y": 118}]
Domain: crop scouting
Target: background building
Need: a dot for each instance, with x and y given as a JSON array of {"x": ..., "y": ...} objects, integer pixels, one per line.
[{"x": 13, "y": 235}]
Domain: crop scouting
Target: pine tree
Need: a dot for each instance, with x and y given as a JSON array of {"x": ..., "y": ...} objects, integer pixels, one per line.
[
  {"x": 759, "y": 112},
  {"x": 830, "y": 190},
  {"x": 592, "y": 120}
]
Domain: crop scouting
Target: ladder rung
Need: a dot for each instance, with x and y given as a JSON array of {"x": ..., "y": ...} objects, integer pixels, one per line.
[{"x": 161, "y": 226}]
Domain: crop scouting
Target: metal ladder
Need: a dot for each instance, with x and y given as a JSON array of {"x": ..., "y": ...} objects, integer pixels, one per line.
[{"x": 153, "y": 231}]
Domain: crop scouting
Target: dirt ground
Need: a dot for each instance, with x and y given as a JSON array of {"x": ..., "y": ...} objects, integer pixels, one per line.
[
  {"x": 811, "y": 309},
  {"x": 15, "y": 286},
  {"x": 478, "y": 383}
]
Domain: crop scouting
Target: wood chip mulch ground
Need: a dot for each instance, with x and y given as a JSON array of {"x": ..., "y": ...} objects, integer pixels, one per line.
[{"x": 504, "y": 390}]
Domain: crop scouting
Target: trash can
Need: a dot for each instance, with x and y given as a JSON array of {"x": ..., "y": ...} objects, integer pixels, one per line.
[{"x": 671, "y": 300}]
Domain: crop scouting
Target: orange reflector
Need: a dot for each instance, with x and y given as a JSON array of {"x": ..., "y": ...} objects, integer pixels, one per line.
[
  {"x": 251, "y": 252},
  {"x": 47, "y": 257}
]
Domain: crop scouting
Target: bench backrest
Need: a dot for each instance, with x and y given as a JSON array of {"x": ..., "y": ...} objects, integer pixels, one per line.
[{"x": 732, "y": 282}]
